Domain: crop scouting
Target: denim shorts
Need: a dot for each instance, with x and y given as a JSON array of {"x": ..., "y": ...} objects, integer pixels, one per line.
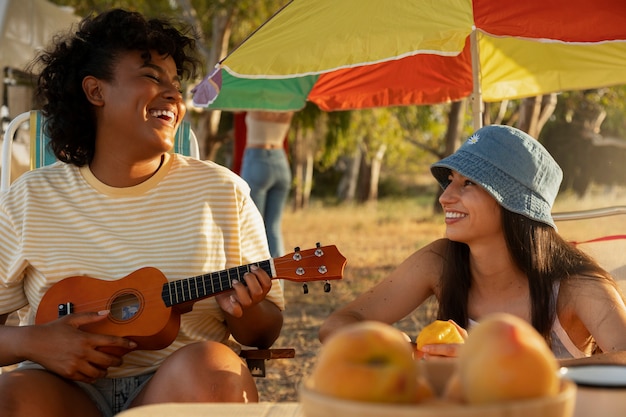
[{"x": 111, "y": 395}]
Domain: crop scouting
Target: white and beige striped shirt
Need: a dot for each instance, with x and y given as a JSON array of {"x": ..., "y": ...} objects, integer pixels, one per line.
[{"x": 191, "y": 218}]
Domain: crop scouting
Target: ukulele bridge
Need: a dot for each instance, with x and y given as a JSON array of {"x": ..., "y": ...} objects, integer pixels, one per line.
[{"x": 65, "y": 309}]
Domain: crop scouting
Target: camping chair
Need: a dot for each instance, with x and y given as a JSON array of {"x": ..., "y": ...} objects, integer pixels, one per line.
[
  {"x": 185, "y": 143},
  {"x": 600, "y": 233}
]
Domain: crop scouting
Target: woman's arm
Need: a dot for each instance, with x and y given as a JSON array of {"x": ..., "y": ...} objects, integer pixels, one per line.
[
  {"x": 405, "y": 289},
  {"x": 251, "y": 318},
  {"x": 595, "y": 305},
  {"x": 61, "y": 347}
]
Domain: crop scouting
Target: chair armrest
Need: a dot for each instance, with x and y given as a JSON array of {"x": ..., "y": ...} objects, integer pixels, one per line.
[
  {"x": 255, "y": 358},
  {"x": 267, "y": 353}
]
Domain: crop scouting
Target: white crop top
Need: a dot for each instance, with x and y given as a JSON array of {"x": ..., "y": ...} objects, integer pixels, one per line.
[{"x": 262, "y": 132}]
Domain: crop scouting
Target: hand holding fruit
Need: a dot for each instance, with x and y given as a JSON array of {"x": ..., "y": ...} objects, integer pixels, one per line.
[{"x": 440, "y": 338}]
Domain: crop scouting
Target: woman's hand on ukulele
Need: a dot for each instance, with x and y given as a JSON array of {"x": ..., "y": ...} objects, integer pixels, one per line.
[
  {"x": 241, "y": 297},
  {"x": 61, "y": 347}
]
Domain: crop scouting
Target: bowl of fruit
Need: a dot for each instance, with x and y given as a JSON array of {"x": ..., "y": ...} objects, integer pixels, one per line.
[{"x": 504, "y": 368}]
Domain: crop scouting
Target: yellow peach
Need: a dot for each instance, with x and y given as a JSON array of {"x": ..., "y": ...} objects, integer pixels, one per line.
[
  {"x": 367, "y": 361},
  {"x": 505, "y": 358}
]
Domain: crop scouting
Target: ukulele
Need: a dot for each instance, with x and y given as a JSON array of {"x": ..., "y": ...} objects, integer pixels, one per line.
[{"x": 145, "y": 307}]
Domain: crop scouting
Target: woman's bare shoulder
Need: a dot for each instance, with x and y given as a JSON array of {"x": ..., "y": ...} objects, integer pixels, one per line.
[
  {"x": 439, "y": 246},
  {"x": 428, "y": 260},
  {"x": 584, "y": 280},
  {"x": 588, "y": 286},
  {"x": 596, "y": 305},
  {"x": 435, "y": 249}
]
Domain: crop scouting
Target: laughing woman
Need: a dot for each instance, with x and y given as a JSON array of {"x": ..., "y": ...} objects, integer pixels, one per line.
[{"x": 117, "y": 201}]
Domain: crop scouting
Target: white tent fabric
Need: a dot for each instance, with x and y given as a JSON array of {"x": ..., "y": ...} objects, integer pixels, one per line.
[{"x": 26, "y": 26}]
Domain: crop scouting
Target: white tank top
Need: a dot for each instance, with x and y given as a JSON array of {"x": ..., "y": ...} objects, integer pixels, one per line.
[
  {"x": 562, "y": 345},
  {"x": 262, "y": 132}
]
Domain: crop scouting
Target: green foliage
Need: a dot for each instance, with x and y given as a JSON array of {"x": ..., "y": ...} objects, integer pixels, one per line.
[
  {"x": 424, "y": 127},
  {"x": 338, "y": 125},
  {"x": 250, "y": 15},
  {"x": 577, "y": 105},
  {"x": 147, "y": 7}
]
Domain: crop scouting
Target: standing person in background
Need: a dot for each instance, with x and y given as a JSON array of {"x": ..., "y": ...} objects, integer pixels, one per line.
[{"x": 266, "y": 169}]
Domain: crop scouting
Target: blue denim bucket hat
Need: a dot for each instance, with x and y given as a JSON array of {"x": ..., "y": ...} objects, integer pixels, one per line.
[{"x": 511, "y": 166}]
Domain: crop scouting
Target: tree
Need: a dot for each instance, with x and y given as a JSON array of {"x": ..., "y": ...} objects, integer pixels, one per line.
[
  {"x": 587, "y": 137},
  {"x": 535, "y": 113},
  {"x": 223, "y": 24},
  {"x": 303, "y": 142}
]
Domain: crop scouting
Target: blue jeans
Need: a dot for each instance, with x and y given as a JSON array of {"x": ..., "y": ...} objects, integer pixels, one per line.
[{"x": 268, "y": 173}]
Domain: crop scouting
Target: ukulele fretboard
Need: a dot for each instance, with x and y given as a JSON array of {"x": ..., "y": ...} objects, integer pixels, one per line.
[{"x": 202, "y": 286}]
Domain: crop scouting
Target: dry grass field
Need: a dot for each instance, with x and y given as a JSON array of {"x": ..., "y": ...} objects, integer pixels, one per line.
[{"x": 375, "y": 239}]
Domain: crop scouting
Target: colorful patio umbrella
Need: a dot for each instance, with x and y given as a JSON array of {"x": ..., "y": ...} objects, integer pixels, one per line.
[{"x": 351, "y": 54}]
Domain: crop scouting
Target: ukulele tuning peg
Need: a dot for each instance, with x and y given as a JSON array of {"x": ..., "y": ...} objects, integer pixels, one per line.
[
  {"x": 305, "y": 288},
  {"x": 297, "y": 256},
  {"x": 319, "y": 252},
  {"x": 327, "y": 286}
]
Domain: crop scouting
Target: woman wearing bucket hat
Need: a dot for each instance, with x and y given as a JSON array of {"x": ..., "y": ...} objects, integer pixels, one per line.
[{"x": 502, "y": 253}]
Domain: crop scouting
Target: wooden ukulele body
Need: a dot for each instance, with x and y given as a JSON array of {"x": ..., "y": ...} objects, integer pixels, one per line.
[{"x": 136, "y": 308}]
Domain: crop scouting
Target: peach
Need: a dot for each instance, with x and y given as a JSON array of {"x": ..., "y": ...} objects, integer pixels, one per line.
[
  {"x": 368, "y": 361},
  {"x": 505, "y": 358}
]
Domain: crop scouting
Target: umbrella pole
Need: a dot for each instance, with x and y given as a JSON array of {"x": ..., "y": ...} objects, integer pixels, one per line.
[{"x": 476, "y": 97}]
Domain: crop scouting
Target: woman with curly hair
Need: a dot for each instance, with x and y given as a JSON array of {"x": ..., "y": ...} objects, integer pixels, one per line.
[
  {"x": 118, "y": 201},
  {"x": 502, "y": 254}
]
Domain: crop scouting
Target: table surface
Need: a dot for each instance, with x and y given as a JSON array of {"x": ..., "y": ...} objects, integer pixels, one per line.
[
  {"x": 262, "y": 409},
  {"x": 612, "y": 358}
]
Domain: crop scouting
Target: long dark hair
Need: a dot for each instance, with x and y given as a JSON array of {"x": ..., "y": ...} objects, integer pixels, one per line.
[
  {"x": 538, "y": 251},
  {"x": 93, "y": 50}
]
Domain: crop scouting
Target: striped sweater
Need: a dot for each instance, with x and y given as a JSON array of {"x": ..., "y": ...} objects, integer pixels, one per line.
[{"x": 191, "y": 217}]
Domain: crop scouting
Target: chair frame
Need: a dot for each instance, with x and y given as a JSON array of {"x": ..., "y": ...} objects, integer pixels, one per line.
[
  {"x": 589, "y": 214},
  {"x": 41, "y": 155}
]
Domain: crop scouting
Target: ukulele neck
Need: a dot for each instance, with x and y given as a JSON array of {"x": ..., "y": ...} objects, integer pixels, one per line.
[{"x": 202, "y": 286}]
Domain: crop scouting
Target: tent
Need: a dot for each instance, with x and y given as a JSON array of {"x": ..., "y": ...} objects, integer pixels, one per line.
[{"x": 26, "y": 26}]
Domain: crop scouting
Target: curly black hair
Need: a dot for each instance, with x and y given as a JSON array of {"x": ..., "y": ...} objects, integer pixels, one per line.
[{"x": 93, "y": 51}]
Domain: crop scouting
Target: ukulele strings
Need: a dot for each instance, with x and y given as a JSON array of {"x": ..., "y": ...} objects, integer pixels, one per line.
[{"x": 281, "y": 266}]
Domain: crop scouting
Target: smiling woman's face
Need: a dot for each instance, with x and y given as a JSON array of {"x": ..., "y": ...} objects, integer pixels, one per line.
[
  {"x": 471, "y": 213},
  {"x": 142, "y": 107}
]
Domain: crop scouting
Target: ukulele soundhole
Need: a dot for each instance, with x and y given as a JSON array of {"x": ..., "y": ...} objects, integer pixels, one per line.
[{"x": 125, "y": 307}]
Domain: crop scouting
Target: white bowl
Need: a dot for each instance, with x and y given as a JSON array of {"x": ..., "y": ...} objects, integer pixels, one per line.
[
  {"x": 597, "y": 376},
  {"x": 315, "y": 404},
  {"x": 601, "y": 389}
]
